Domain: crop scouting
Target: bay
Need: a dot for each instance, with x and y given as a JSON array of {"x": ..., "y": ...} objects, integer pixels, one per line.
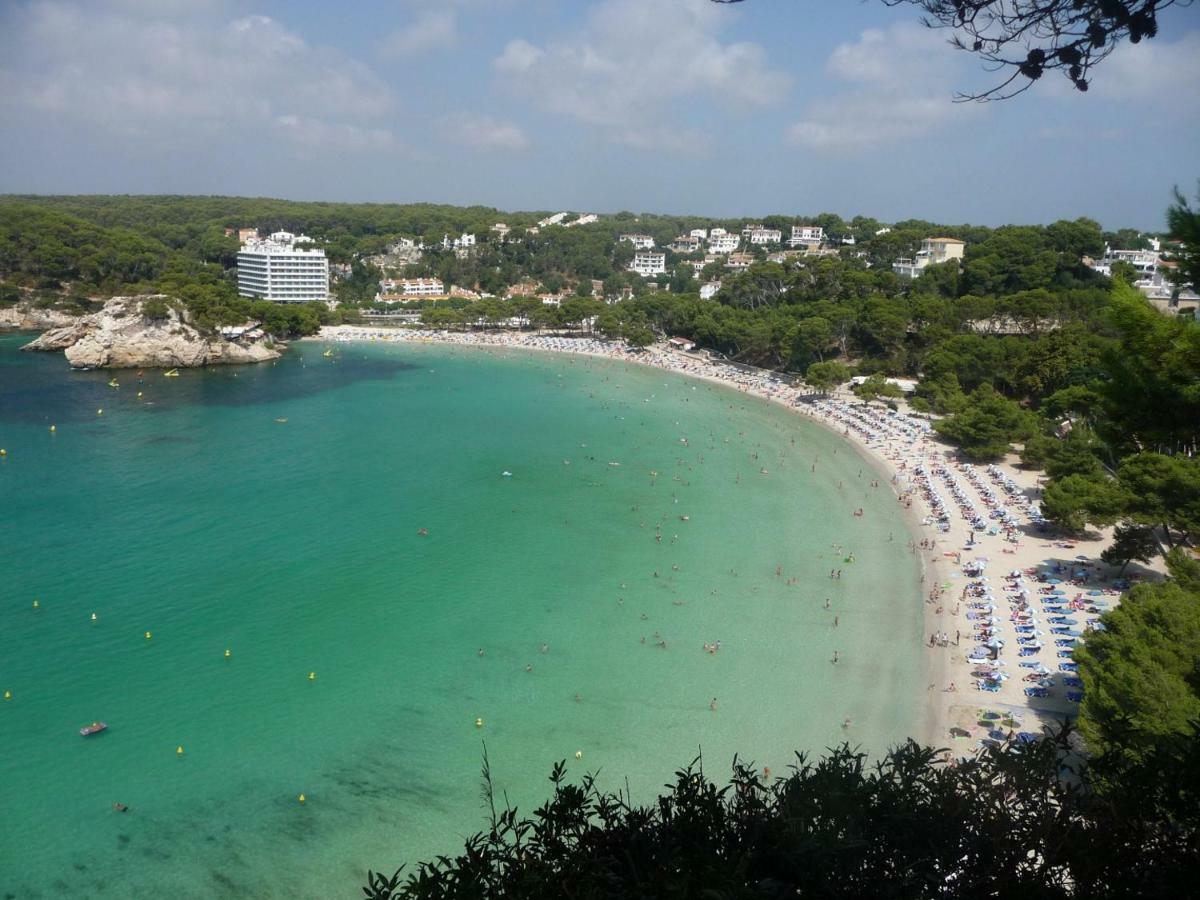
[{"x": 276, "y": 511}]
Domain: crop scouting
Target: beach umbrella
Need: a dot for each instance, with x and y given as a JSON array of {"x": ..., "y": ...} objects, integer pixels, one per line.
[
  {"x": 1083, "y": 557},
  {"x": 1053, "y": 581},
  {"x": 995, "y": 643},
  {"x": 1026, "y": 737},
  {"x": 1095, "y": 593}
]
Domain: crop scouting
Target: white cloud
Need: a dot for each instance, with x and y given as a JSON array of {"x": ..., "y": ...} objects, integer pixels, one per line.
[
  {"x": 635, "y": 60},
  {"x": 320, "y": 134},
  {"x": 484, "y": 132},
  {"x": 431, "y": 30},
  {"x": 901, "y": 87},
  {"x": 1154, "y": 69},
  {"x": 157, "y": 81}
]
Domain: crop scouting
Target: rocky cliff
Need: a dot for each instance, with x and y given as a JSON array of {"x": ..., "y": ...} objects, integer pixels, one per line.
[
  {"x": 120, "y": 337},
  {"x": 28, "y": 318}
]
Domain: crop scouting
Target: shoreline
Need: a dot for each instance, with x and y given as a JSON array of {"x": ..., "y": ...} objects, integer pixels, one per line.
[{"x": 919, "y": 466}]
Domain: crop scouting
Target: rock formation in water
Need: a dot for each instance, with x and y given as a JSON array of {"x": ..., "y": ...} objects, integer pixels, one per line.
[
  {"x": 30, "y": 318},
  {"x": 120, "y": 337}
]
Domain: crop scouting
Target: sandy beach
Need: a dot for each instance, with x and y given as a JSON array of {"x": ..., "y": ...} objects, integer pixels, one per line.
[{"x": 1005, "y": 599}]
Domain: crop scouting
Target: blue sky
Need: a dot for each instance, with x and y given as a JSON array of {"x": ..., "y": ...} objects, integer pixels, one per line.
[{"x": 679, "y": 106}]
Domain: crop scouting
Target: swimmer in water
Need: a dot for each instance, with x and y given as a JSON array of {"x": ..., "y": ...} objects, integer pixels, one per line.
[
  {"x": 713, "y": 704},
  {"x": 479, "y": 652}
]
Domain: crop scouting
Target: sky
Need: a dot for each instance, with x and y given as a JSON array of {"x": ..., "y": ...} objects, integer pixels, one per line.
[{"x": 670, "y": 106}]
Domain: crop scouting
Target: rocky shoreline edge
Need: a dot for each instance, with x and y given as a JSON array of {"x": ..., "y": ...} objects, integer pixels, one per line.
[{"x": 123, "y": 336}]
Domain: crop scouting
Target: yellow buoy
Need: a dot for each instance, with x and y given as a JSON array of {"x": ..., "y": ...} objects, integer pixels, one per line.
[
  {"x": 3, "y": 452},
  {"x": 312, "y": 676},
  {"x": 179, "y": 750},
  {"x": 100, "y": 412},
  {"x": 94, "y": 617},
  {"x": 8, "y": 695},
  {"x": 139, "y": 395},
  {"x": 54, "y": 428},
  {"x": 228, "y": 654},
  {"x": 149, "y": 635},
  {"x": 479, "y": 723},
  {"x": 36, "y": 604},
  {"x": 302, "y": 798},
  {"x": 579, "y": 754}
]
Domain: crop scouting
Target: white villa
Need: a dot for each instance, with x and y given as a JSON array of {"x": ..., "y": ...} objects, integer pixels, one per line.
[
  {"x": 723, "y": 242},
  {"x": 934, "y": 251},
  {"x": 639, "y": 241},
  {"x": 806, "y": 236},
  {"x": 759, "y": 235},
  {"x": 648, "y": 262},
  {"x": 709, "y": 290},
  {"x": 1153, "y": 275},
  {"x": 279, "y": 270}
]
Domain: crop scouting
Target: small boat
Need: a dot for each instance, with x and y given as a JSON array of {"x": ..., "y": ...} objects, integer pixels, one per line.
[
  {"x": 614, "y": 464},
  {"x": 171, "y": 373},
  {"x": 94, "y": 728},
  {"x": 114, "y": 383},
  {"x": 328, "y": 353},
  {"x": 281, "y": 420},
  {"x": 506, "y": 473}
]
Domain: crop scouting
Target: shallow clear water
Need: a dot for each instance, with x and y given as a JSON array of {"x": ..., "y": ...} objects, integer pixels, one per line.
[{"x": 193, "y": 514}]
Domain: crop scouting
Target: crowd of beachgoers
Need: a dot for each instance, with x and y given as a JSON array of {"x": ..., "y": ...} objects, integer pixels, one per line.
[{"x": 1006, "y": 599}]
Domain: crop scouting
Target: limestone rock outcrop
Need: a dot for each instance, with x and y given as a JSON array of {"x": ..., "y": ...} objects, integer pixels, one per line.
[
  {"x": 120, "y": 337},
  {"x": 24, "y": 317}
]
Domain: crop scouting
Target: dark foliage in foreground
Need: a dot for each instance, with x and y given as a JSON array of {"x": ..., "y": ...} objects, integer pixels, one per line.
[{"x": 1005, "y": 824}]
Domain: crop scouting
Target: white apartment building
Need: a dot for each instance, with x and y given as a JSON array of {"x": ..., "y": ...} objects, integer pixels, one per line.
[
  {"x": 276, "y": 269},
  {"x": 639, "y": 241},
  {"x": 412, "y": 287},
  {"x": 556, "y": 219},
  {"x": 739, "y": 262},
  {"x": 765, "y": 236},
  {"x": 723, "y": 243},
  {"x": 1152, "y": 274},
  {"x": 708, "y": 291},
  {"x": 686, "y": 243},
  {"x": 700, "y": 233},
  {"x": 585, "y": 219},
  {"x": 647, "y": 262},
  {"x": 934, "y": 251},
  {"x": 806, "y": 236}
]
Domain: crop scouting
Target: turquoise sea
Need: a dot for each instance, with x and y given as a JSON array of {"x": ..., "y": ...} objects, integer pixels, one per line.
[{"x": 196, "y": 514}]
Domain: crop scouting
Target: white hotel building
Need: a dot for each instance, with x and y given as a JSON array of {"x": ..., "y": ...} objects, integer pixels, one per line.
[{"x": 278, "y": 270}]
